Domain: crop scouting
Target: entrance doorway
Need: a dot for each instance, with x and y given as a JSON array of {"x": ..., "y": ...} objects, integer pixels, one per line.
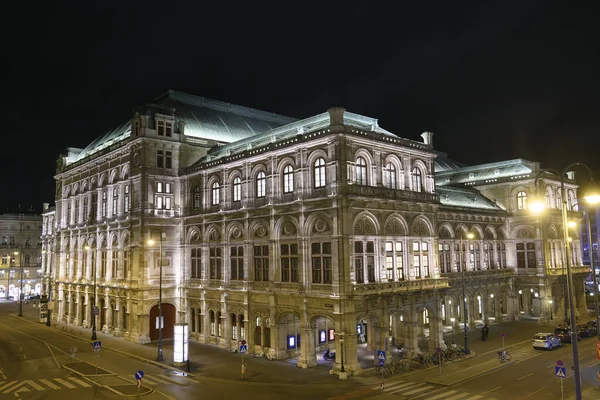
[{"x": 168, "y": 313}]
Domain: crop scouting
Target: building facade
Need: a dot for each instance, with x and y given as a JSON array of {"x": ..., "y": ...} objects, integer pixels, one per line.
[
  {"x": 20, "y": 254},
  {"x": 297, "y": 235}
]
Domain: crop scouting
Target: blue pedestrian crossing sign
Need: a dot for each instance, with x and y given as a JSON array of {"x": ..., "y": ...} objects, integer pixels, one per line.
[
  {"x": 381, "y": 357},
  {"x": 139, "y": 375},
  {"x": 243, "y": 348},
  {"x": 561, "y": 372},
  {"x": 97, "y": 345}
]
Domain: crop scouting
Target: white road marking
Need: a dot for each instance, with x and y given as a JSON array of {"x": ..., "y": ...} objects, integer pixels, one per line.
[
  {"x": 400, "y": 387},
  {"x": 458, "y": 396},
  {"x": 7, "y": 385},
  {"x": 79, "y": 381},
  {"x": 439, "y": 396},
  {"x": 417, "y": 390},
  {"x": 474, "y": 397},
  {"x": 525, "y": 376},
  {"x": 491, "y": 390},
  {"x": 534, "y": 392},
  {"x": 50, "y": 384},
  {"x": 65, "y": 383}
]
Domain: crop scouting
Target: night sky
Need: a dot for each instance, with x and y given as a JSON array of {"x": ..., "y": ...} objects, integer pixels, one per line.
[{"x": 492, "y": 81}]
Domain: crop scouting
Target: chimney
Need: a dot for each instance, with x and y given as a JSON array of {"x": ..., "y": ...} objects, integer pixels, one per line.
[
  {"x": 571, "y": 175},
  {"x": 427, "y": 138},
  {"x": 45, "y": 206},
  {"x": 336, "y": 117}
]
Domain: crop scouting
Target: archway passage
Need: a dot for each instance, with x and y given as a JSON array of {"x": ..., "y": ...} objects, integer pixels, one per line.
[{"x": 168, "y": 313}]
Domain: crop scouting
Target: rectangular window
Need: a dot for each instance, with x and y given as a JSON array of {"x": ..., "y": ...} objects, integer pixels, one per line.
[
  {"x": 94, "y": 209},
  {"x": 159, "y": 187},
  {"x": 167, "y": 187},
  {"x": 321, "y": 262},
  {"x": 168, "y": 159},
  {"x": 103, "y": 264},
  {"x": 168, "y": 130},
  {"x": 167, "y": 203},
  {"x": 126, "y": 205},
  {"x": 115, "y": 202},
  {"x": 114, "y": 262},
  {"x": 417, "y": 265},
  {"x": 261, "y": 263},
  {"x": 289, "y": 262},
  {"x": 159, "y": 203},
  {"x": 86, "y": 214},
  {"x": 215, "y": 263},
  {"x": 160, "y": 159},
  {"x": 125, "y": 263},
  {"x": 76, "y": 211},
  {"x": 104, "y": 203},
  {"x": 160, "y": 128},
  {"x": 531, "y": 259},
  {"x": 237, "y": 263},
  {"x": 196, "y": 266},
  {"x": 521, "y": 260},
  {"x": 359, "y": 269}
]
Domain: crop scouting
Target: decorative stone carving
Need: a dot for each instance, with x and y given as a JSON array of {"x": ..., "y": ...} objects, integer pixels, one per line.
[
  {"x": 289, "y": 228},
  {"x": 320, "y": 225},
  {"x": 260, "y": 231}
]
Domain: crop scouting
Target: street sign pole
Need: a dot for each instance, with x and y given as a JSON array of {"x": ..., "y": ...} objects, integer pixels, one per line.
[
  {"x": 502, "y": 335},
  {"x": 562, "y": 392},
  {"x": 381, "y": 358},
  {"x": 243, "y": 350}
]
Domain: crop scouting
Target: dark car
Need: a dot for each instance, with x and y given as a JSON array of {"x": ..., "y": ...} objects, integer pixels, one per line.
[
  {"x": 564, "y": 333},
  {"x": 584, "y": 330}
]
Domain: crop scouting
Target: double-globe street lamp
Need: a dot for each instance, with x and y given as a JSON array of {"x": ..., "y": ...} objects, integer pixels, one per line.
[
  {"x": 465, "y": 315},
  {"x": 151, "y": 242},
  {"x": 94, "y": 306},
  {"x": 592, "y": 196}
]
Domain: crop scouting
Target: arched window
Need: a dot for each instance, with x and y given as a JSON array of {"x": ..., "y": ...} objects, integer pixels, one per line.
[
  {"x": 361, "y": 171},
  {"x": 319, "y": 173},
  {"x": 211, "y": 316},
  {"x": 549, "y": 203},
  {"x": 288, "y": 179},
  {"x": 196, "y": 197},
  {"x": 215, "y": 193},
  {"x": 521, "y": 201},
  {"x": 390, "y": 179},
  {"x": 261, "y": 184},
  {"x": 558, "y": 198},
  {"x": 417, "y": 180},
  {"x": 237, "y": 189}
]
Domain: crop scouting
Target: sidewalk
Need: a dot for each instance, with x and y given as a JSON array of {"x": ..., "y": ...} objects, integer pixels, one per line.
[{"x": 206, "y": 361}]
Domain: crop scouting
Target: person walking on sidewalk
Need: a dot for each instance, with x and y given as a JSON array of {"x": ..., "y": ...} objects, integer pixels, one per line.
[{"x": 484, "y": 332}]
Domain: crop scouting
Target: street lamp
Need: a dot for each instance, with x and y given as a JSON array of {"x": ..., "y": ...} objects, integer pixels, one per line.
[
  {"x": 151, "y": 242},
  {"x": 452, "y": 319},
  {"x": 462, "y": 268},
  {"x": 592, "y": 196},
  {"x": 94, "y": 307},
  {"x": 21, "y": 289}
]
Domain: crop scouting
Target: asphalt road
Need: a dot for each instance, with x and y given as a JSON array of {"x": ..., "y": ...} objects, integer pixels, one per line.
[{"x": 38, "y": 363}]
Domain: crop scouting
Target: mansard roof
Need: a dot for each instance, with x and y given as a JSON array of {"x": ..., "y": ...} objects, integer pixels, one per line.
[
  {"x": 485, "y": 173},
  {"x": 304, "y": 126},
  {"x": 204, "y": 118},
  {"x": 465, "y": 197},
  {"x": 219, "y": 121}
]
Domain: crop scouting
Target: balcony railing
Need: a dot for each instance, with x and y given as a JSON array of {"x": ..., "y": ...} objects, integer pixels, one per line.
[
  {"x": 387, "y": 193},
  {"x": 402, "y": 286},
  {"x": 455, "y": 277}
]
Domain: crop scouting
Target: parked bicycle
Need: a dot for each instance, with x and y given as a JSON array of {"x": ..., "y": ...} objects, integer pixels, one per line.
[{"x": 504, "y": 355}]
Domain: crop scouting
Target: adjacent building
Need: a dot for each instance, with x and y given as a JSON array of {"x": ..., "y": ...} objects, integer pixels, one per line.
[
  {"x": 20, "y": 254},
  {"x": 297, "y": 235}
]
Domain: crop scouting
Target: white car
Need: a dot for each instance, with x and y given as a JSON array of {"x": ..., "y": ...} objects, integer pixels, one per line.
[{"x": 545, "y": 341}]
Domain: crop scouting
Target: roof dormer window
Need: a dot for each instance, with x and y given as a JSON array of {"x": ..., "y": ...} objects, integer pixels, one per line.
[{"x": 164, "y": 128}]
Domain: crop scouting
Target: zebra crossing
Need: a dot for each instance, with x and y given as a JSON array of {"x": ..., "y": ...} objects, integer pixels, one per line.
[
  {"x": 162, "y": 379},
  {"x": 42, "y": 384},
  {"x": 423, "y": 390}
]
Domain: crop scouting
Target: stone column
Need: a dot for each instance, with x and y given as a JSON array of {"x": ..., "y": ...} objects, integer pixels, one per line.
[
  {"x": 512, "y": 307},
  {"x": 473, "y": 311},
  {"x": 308, "y": 355},
  {"x": 485, "y": 308},
  {"x": 411, "y": 340},
  {"x": 436, "y": 337},
  {"x": 497, "y": 309}
]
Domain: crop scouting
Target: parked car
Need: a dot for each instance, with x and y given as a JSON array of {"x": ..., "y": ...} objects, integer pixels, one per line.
[
  {"x": 564, "y": 334},
  {"x": 545, "y": 341},
  {"x": 593, "y": 327},
  {"x": 584, "y": 330}
]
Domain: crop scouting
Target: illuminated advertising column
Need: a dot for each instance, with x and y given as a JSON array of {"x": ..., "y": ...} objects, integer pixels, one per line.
[
  {"x": 180, "y": 344},
  {"x": 43, "y": 309}
]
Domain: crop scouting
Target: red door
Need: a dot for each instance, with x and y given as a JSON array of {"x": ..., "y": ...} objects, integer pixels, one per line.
[{"x": 168, "y": 313}]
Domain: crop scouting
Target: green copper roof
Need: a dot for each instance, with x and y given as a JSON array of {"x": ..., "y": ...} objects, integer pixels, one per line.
[
  {"x": 465, "y": 197},
  {"x": 484, "y": 173}
]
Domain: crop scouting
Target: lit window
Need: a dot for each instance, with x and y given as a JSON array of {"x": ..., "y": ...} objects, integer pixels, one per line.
[
  {"x": 361, "y": 171},
  {"x": 288, "y": 179},
  {"x": 196, "y": 197},
  {"x": 261, "y": 184},
  {"x": 319, "y": 173},
  {"x": 215, "y": 193},
  {"x": 417, "y": 180},
  {"x": 521, "y": 201},
  {"x": 390, "y": 176},
  {"x": 237, "y": 189}
]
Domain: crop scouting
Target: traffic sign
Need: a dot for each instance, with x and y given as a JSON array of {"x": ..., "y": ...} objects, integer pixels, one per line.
[
  {"x": 243, "y": 348},
  {"x": 139, "y": 375},
  {"x": 381, "y": 363},
  {"x": 559, "y": 363},
  {"x": 97, "y": 345},
  {"x": 95, "y": 311},
  {"x": 381, "y": 355},
  {"x": 502, "y": 334},
  {"x": 561, "y": 372}
]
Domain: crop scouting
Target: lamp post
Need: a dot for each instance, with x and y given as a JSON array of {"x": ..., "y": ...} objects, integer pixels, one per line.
[
  {"x": 550, "y": 302},
  {"x": 94, "y": 307},
  {"x": 21, "y": 286},
  {"x": 592, "y": 197},
  {"x": 462, "y": 268},
  {"x": 452, "y": 319},
  {"x": 151, "y": 242}
]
